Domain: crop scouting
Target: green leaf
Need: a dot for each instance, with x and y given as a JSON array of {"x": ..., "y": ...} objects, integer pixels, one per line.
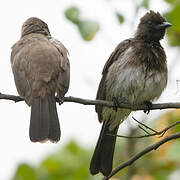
[
  {"x": 88, "y": 29},
  {"x": 120, "y": 17},
  {"x": 25, "y": 172},
  {"x": 51, "y": 165},
  {"x": 72, "y": 14},
  {"x": 173, "y": 33},
  {"x": 173, "y": 2},
  {"x": 161, "y": 174},
  {"x": 145, "y": 4}
]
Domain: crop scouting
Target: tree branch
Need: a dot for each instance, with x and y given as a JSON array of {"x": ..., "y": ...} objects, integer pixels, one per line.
[
  {"x": 11, "y": 97},
  {"x": 143, "y": 152},
  {"x": 103, "y": 103}
]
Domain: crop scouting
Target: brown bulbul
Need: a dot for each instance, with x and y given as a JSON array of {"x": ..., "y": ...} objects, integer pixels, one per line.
[
  {"x": 135, "y": 73},
  {"x": 41, "y": 70}
]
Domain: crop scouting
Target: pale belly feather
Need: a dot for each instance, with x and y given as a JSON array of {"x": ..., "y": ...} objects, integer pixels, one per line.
[{"x": 133, "y": 86}]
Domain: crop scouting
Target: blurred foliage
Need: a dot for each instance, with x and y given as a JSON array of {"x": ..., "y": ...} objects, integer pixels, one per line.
[
  {"x": 120, "y": 17},
  {"x": 145, "y": 4},
  {"x": 72, "y": 14},
  {"x": 71, "y": 162},
  {"x": 87, "y": 28},
  {"x": 173, "y": 16},
  {"x": 25, "y": 171},
  {"x": 173, "y": 1}
]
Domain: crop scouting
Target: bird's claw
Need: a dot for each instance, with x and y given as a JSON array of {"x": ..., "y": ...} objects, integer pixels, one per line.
[
  {"x": 59, "y": 101},
  {"x": 148, "y": 105}
]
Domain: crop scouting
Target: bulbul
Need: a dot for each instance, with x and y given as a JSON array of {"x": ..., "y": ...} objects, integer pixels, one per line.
[
  {"x": 135, "y": 73},
  {"x": 41, "y": 70}
]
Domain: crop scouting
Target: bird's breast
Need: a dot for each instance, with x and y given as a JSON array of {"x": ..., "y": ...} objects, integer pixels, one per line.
[{"x": 134, "y": 84}]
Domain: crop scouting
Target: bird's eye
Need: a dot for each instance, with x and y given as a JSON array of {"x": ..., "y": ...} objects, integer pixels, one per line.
[{"x": 149, "y": 22}]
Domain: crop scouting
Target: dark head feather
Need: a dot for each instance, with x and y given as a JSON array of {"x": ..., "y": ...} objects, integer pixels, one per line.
[
  {"x": 152, "y": 27},
  {"x": 34, "y": 25},
  {"x": 152, "y": 16}
]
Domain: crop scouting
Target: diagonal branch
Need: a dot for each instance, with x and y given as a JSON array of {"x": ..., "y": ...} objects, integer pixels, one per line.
[
  {"x": 142, "y": 153},
  {"x": 102, "y": 102},
  {"x": 147, "y": 127}
]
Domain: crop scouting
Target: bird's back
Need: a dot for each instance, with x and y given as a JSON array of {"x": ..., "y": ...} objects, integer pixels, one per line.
[{"x": 39, "y": 62}]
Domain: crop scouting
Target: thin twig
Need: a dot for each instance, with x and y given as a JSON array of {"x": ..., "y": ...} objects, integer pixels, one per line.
[
  {"x": 160, "y": 133},
  {"x": 143, "y": 152},
  {"x": 102, "y": 102},
  {"x": 147, "y": 127},
  {"x": 143, "y": 129}
]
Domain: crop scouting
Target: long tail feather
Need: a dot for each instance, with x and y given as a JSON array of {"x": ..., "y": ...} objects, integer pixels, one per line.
[
  {"x": 44, "y": 122},
  {"x": 102, "y": 159}
]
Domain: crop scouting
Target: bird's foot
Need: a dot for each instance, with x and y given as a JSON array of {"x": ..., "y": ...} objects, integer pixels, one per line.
[
  {"x": 148, "y": 105},
  {"x": 59, "y": 100}
]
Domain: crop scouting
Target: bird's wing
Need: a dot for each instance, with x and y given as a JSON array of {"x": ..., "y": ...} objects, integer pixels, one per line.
[
  {"x": 17, "y": 65},
  {"x": 64, "y": 73},
  {"x": 101, "y": 93}
]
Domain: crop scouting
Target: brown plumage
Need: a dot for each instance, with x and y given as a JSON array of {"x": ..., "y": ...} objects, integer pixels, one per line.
[
  {"x": 41, "y": 68},
  {"x": 136, "y": 72}
]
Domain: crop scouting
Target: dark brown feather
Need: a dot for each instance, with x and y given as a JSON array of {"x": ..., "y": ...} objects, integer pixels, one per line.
[
  {"x": 44, "y": 122},
  {"x": 101, "y": 93},
  {"x": 102, "y": 159}
]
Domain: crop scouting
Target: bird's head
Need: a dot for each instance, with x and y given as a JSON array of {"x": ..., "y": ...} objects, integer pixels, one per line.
[
  {"x": 35, "y": 25},
  {"x": 152, "y": 26}
]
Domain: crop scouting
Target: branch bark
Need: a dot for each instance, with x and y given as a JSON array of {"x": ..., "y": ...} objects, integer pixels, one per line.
[
  {"x": 102, "y": 102},
  {"x": 142, "y": 153}
]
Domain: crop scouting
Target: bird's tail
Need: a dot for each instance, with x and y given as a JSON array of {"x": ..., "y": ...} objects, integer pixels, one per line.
[
  {"x": 102, "y": 159},
  {"x": 44, "y": 123}
]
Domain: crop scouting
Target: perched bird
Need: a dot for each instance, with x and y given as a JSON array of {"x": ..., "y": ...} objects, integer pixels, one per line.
[
  {"x": 135, "y": 73},
  {"x": 41, "y": 70}
]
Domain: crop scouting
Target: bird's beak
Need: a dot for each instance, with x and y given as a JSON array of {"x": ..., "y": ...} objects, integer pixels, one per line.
[{"x": 163, "y": 25}]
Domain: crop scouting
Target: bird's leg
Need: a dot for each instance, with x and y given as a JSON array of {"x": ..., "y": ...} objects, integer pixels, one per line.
[
  {"x": 148, "y": 105},
  {"x": 116, "y": 103}
]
